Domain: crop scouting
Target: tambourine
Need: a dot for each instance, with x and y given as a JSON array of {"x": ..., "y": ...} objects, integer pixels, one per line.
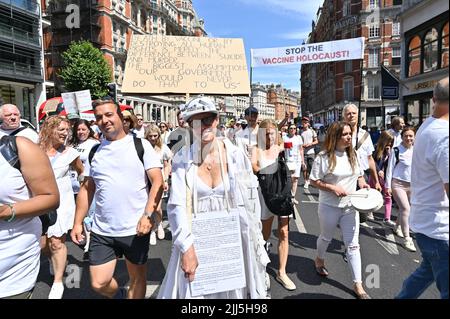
[{"x": 366, "y": 200}]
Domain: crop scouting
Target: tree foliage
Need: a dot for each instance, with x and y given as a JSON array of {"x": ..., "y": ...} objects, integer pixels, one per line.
[{"x": 85, "y": 68}]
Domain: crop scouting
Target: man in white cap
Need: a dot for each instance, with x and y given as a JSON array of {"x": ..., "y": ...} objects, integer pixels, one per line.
[{"x": 10, "y": 123}]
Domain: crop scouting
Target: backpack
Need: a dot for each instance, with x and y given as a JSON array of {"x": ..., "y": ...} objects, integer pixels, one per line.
[
  {"x": 139, "y": 150},
  {"x": 8, "y": 149},
  {"x": 275, "y": 183}
]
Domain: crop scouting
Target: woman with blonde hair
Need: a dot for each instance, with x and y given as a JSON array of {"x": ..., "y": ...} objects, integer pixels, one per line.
[
  {"x": 266, "y": 153},
  {"x": 381, "y": 158},
  {"x": 153, "y": 135},
  {"x": 52, "y": 140},
  {"x": 335, "y": 173}
]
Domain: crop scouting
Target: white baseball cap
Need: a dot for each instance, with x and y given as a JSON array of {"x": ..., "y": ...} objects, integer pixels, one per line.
[{"x": 198, "y": 106}]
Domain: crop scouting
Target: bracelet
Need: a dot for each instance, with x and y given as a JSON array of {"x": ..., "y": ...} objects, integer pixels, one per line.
[{"x": 13, "y": 213}]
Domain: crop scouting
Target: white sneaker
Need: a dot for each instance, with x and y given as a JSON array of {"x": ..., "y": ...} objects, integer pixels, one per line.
[
  {"x": 398, "y": 231},
  {"x": 160, "y": 231},
  {"x": 306, "y": 186},
  {"x": 153, "y": 238},
  {"x": 389, "y": 223},
  {"x": 294, "y": 201},
  {"x": 370, "y": 216},
  {"x": 57, "y": 291},
  {"x": 409, "y": 244}
]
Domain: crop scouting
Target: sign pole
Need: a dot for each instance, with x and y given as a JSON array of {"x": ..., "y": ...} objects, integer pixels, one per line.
[{"x": 361, "y": 63}]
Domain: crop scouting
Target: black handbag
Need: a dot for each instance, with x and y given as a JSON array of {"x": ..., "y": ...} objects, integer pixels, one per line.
[{"x": 48, "y": 219}]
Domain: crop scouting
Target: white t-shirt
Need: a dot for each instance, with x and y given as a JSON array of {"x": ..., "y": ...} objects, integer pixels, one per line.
[
  {"x": 429, "y": 173},
  {"x": 308, "y": 137},
  {"x": 19, "y": 239},
  {"x": 365, "y": 150},
  {"x": 342, "y": 175},
  {"x": 292, "y": 154},
  {"x": 28, "y": 133},
  {"x": 246, "y": 140},
  {"x": 397, "y": 137},
  {"x": 401, "y": 171},
  {"x": 120, "y": 185},
  {"x": 139, "y": 132}
]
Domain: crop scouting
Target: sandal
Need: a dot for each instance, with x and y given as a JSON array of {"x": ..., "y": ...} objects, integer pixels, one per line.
[
  {"x": 321, "y": 271},
  {"x": 364, "y": 295}
]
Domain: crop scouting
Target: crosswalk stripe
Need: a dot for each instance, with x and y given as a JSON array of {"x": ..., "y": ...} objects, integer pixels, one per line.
[
  {"x": 310, "y": 197},
  {"x": 298, "y": 221},
  {"x": 388, "y": 245},
  {"x": 151, "y": 291}
]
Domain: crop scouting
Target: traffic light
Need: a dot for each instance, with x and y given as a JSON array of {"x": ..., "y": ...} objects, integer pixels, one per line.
[
  {"x": 112, "y": 91},
  {"x": 154, "y": 114},
  {"x": 158, "y": 115}
]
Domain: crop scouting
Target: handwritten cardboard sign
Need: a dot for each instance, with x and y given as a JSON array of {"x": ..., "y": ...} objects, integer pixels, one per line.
[{"x": 170, "y": 64}]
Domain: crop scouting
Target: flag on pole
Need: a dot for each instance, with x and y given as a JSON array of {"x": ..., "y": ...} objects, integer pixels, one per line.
[{"x": 389, "y": 85}]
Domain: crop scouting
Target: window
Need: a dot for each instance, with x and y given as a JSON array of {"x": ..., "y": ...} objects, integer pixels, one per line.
[
  {"x": 346, "y": 9},
  {"x": 444, "y": 54},
  {"x": 396, "y": 56},
  {"x": 430, "y": 51},
  {"x": 348, "y": 89},
  {"x": 373, "y": 85},
  {"x": 374, "y": 31},
  {"x": 373, "y": 4},
  {"x": 414, "y": 56},
  {"x": 396, "y": 28},
  {"x": 348, "y": 66},
  {"x": 374, "y": 57}
]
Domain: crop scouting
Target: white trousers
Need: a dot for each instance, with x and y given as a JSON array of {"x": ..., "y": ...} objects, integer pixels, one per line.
[{"x": 348, "y": 220}]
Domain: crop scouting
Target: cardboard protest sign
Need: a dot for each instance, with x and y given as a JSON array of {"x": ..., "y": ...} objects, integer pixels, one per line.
[{"x": 171, "y": 64}]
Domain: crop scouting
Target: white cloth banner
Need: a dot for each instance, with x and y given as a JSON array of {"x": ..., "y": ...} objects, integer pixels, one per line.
[{"x": 341, "y": 50}]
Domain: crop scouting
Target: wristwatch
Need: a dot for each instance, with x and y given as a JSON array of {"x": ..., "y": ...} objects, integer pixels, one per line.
[{"x": 150, "y": 216}]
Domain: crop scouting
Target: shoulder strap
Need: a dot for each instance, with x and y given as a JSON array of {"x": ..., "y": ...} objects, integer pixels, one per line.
[
  {"x": 92, "y": 152},
  {"x": 20, "y": 129},
  {"x": 139, "y": 148},
  {"x": 363, "y": 139},
  {"x": 8, "y": 149},
  {"x": 397, "y": 155}
]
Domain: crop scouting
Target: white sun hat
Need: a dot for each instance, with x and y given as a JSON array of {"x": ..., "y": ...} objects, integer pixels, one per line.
[{"x": 197, "y": 106}]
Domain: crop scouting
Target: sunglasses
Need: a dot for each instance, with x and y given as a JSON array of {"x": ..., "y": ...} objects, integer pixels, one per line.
[{"x": 206, "y": 121}]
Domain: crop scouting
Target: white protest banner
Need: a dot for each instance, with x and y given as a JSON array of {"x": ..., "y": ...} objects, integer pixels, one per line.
[
  {"x": 159, "y": 64},
  {"x": 340, "y": 50}
]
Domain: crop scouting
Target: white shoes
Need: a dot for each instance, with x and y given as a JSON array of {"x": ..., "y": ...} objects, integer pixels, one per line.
[
  {"x": 398, "y": 231},
  {"x": 160, "y": 231},
  {"x": 389, "y": 223},
  {"x": 306, "y": 186},
  {"x": 294, "y": 201},
  {"x": 286, "y": 282},
  {"x": 267, "y": 281},
  {"x": 153, "y": 238},
  {"x": 409, "y": 244},
  {"x": 57, "y": 291}
]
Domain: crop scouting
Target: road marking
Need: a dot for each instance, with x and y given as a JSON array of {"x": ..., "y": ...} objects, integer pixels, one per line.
[
  {"x": 298, "y": 221},
  {"x": 310, "y": 197},
  {"x": 151, "y": 291},
  {"x": 390, "y": 245}
]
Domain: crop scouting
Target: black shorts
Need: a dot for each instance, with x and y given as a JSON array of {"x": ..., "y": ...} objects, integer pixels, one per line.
[
  {"x": 103, "y": 249},
  {"x": 309, "y": 162}
]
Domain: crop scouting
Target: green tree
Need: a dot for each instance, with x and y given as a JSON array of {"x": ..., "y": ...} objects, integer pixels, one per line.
[{"x": 85, "y": 68}]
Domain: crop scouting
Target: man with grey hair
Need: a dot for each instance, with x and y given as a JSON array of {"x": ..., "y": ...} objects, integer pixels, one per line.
[
  {"x": 429, "y": 217},
  {"x": 397, "y": 125},
  {"x": 363, "y": 145},
  {"x": 10, "y": 123}
]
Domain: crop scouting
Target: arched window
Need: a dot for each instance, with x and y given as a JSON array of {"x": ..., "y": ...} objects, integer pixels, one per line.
[
  {"x": 444, "y": 55},
  {"x": 430, "y": 51},
  {"x": 414, "y": 56}
]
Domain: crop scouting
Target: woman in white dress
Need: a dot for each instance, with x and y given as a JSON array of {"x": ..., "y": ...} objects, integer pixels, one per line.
[
  {"x": 153, "y": 135},
  {"x": 209, "y": 178},
  {"x": 52, "y": 139}
]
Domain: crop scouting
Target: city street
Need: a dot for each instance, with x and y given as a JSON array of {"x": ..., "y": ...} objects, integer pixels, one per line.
[{"x": 385, "y": 262}]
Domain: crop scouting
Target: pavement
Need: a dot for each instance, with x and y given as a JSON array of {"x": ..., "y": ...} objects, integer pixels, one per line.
[{"x": 385, "y": 263}]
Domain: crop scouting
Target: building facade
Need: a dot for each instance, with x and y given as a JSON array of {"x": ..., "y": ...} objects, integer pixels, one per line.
[
  {"x": 426, "y": 50},
  {"x": 259, "y": 100},
  {"x": 109, "y": 25},
  {"x": 327, "y": 87},
  {"x": 21, "y": 58},
  {"x": 284, "y": 100}
]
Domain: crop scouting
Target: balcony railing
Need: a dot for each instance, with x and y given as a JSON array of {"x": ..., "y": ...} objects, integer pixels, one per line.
[
  {"x": 18, "y": 69},
  {"x": 19, "y": 35},
  {"x": 26, "y": 5}
]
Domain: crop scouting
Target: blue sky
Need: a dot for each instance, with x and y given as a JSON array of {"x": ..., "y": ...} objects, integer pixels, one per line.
[{"x": 262, "y": 24}]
